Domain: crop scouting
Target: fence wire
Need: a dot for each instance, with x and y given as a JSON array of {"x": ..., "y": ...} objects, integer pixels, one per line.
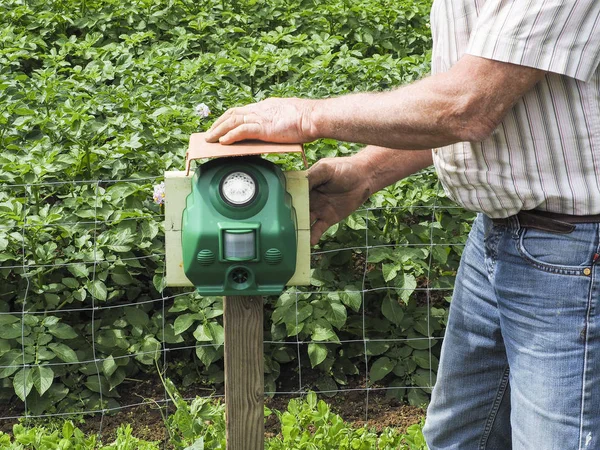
[{"x": 166, "y": 297}]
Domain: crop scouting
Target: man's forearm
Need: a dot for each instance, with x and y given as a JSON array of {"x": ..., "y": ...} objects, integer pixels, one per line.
[
  {"x": 416, "y": 117},
  {"x": 385, "y": 166},
  {"x": 463, "y": 104}
]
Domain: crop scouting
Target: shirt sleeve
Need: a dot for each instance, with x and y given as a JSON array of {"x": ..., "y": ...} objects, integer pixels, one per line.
[{"x": 561, "y": 36}]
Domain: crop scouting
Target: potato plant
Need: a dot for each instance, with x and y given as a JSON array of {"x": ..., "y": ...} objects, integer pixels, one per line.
[{"x": 97, "y": 100}]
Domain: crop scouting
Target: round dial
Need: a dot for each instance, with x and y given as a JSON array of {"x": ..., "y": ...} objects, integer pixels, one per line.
[{"x": 238, "y": 188}]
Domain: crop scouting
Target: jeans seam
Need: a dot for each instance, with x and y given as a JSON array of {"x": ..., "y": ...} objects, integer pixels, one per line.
[
  {"x": 492, "y": 246},
  {"x": 585, "y": 360},
  {"x": 494, "y": 412}
]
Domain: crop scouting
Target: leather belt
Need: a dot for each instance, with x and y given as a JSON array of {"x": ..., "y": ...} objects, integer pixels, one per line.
[{"x": 547, "y": 221}]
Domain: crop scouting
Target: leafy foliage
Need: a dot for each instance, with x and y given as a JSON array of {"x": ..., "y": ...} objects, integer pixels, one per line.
[
  {"x": 97, "y": 100},
  {"x": 200, "y": 425},
  {"x": 69, "y": 437}
]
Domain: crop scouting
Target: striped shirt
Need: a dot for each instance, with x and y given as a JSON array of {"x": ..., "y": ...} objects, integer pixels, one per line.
[{"x": 546, "y": 152}]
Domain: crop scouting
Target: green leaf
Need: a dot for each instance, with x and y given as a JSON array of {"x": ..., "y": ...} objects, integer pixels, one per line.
[
  {"x": 184, "y": 321},
  {"x": 50, "y": 321},
  {"x": 23, "y": 382},
  {"x": 116, "y": 378},
  {"x": 356, "y": 222},
  {"x": 97, "y": 289},
  {"x": 423, "y": 378},
  {"x": 151, "y": 349},
  {"x": 327, "y": 386},
  {"x": 351, "y": 297},
  {"x": 390, "y": 270},
  {"x": 322, "y": 333},
  {"x": 169, "y": 335},
  {"x": 207, "y": 354},
  {"x": 217, "y": 332},
  {"x": 375, "y": 348},
  {"x": 423, "y": 326},
  {"x": 62, "y": 331},
  {"x": 425, "y": 359},
  {"x": 63, "y": 352},
  {"x": 7, "y": 319},
  {"x": 399, "y": 391},
  {"x": 317, "y": 353},
  {"x": 109, "y": 366},
  {"x": 71, "y": 283},
  {"x": 121, "y": 190},
  {"x": 97, "y": 383},
  {"x": 336, "y": 315},
  {"x": 440, "y": 253},
  {"x": 12, "y": 331},
  {"x": 408, "y": 285},
  {"x": 379, "y": 254},
  {"x": 381, "y": 368},
  {"x": 43, "y": 377},
  {"x": 202, "y": 333},
  {"x": 149, "y": 229},
  {"x": 159, "y": 283},
  {"x": 416, "y": 397},
  {"x": 136, "y": 317},
  {"x": 10, "y": 363},
  {"x": 121, "y": 276},
  {"x": 418, "y": 341},
  {"x": 392, "y": 310},
  {"x": 400, "y": 369},
  {"x": 67, "y": 430},
  {"x": 79, "y": 270}
]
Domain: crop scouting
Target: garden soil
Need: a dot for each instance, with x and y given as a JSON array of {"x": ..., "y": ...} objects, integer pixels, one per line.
[{"x": 147, "y": 422}]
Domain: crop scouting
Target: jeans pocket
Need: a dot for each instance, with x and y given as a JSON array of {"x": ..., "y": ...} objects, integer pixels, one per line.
[{"x": 564, "y": 253}]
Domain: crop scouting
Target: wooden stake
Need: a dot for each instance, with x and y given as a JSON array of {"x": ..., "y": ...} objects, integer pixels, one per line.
[{"x": 244, "y": 372}]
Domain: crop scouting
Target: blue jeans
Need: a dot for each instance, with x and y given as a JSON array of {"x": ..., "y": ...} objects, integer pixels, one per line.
[{"x": 520, "y": 364}]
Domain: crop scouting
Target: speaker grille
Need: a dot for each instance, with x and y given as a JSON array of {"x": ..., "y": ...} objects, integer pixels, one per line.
[
  {"x": 273, "y": 256},
  {"x": 205, "y": 257}
]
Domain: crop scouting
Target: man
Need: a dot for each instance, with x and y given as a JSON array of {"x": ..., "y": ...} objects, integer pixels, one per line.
[{"x": 512, "y": 111}]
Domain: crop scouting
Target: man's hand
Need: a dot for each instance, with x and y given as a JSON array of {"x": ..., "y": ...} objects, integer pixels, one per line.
[
  {"x": 338, "y": 186},
  {"x": 286, "y": 121}
]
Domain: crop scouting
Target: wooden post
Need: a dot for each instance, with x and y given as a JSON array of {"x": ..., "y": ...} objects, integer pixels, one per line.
[{"x": 244, "y": 372}]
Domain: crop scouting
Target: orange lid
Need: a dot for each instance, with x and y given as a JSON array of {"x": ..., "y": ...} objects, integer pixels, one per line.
[{"x": 199, "y": 149}]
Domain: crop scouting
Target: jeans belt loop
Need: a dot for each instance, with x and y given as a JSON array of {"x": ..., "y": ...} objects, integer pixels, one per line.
[{"x": 516, "y": 223}]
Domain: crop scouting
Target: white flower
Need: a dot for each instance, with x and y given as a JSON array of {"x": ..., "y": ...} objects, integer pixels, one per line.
[
  {"x": 159, "y": 193},
  {"x": 202, "y": 110}
]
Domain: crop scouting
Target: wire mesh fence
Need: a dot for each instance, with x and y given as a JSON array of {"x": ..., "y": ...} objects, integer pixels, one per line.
[{"x": 412, "y": 275}]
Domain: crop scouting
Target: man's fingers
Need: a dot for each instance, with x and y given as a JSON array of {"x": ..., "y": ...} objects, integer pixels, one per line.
[
  {"x": 241, "y": 132},
  {"x": 319, "y": 174},
  {"x": 229, "y": 120},
  {"x": 228, "y": 124},
  {"x": 226, "y": 115},
  {"x": 319, "y": 203},
  {"x": 317, "y": 230}
]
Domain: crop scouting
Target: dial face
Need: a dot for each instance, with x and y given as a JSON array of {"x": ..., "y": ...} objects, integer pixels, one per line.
[{"x": 238, "y": 188}]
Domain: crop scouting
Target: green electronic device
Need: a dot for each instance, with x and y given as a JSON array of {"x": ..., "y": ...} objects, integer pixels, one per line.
[{"x": 239, "y": 231}]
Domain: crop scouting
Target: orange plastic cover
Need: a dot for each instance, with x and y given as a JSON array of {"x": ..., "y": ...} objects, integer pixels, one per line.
[{"x": 199, "y": 149}]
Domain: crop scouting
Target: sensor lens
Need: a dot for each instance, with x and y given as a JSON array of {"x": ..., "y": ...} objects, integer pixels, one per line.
[
  {"x": 239, "y": 246},
  {"x": 238, "y": 188}
]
